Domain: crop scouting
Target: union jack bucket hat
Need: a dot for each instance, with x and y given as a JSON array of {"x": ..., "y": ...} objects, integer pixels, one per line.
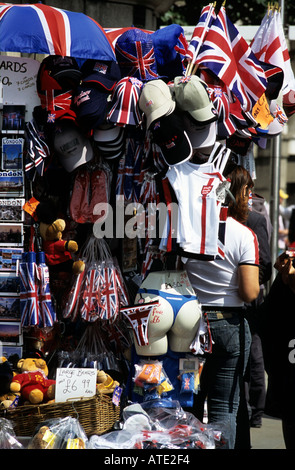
[{"x": 135, "y": 54}]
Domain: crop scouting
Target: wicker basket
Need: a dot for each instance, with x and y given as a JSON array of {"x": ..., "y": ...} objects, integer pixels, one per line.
[{"x": 96, "y": 415}]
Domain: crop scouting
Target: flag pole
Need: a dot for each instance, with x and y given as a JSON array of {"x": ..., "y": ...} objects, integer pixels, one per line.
[
  {"x": 275, "y": 186},
  {"x": 192, "y": 65}
]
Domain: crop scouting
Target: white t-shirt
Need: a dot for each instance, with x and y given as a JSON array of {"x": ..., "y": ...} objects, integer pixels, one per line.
[
  {"x": 216, "y": 282},
  {"x": 198, "y": 210}
]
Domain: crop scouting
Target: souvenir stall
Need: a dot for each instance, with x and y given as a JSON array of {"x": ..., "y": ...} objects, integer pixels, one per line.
[{"x": 93, "y": 135}]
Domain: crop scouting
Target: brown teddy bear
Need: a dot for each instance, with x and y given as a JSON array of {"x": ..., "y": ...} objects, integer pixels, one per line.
[
  {"x": 58, "y": 252},
  {"x": 105, "y": 383},
  {"x": 32, "y": 381}
]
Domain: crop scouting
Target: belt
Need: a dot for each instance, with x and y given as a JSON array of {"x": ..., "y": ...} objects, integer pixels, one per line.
[{"x": 221, "y": 313}]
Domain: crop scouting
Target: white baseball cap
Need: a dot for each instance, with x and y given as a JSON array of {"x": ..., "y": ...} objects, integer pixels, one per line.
[{"x": 156, "y": 100}]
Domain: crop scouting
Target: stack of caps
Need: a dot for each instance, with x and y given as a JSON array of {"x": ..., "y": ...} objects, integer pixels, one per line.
[
  {"x": 110, "y": 141},
  {"x": 91, "y": 98}
]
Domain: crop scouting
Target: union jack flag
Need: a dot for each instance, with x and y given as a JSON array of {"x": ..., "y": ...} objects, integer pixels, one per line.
[
  {"x": 206, "y": 17},
  {"x": 29, "y": 300},
  {"x": 226, "y": 53},
  {"x": 36, "y": 148},
  {"x": 72, "y": 306},
  {"x": 57, "y": 104},
  {"x": 269, "y": 45}
]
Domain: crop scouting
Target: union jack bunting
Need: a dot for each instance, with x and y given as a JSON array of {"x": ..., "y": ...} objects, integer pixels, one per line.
[
  {"x": 47, "y": 30},
  {"x": 72, "y": 306},
  {"x": 138, "y": 317},
  {"x": 29, "y": 300},
  {"x": 206, "y": 17},
  {"x": 226, "y": 53},
  {"x": 91, "y": 295},
  {"x": 109, "y": 300}
]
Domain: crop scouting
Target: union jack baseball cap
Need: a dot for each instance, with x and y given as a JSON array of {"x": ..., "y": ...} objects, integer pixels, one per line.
[
  {"x": 125, "y": 102},
  {"x": 191, "y": 96},
  {"x": 156, "y": 101},
  {"x": 135, "y": 54},
  {"x": 168, "y": 133}
]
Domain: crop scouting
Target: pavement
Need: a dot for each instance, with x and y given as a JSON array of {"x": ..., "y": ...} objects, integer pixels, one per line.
[{"x": 269, "y": 436}]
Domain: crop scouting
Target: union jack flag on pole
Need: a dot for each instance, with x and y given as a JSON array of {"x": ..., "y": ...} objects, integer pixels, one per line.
[
  {"x": 200, "y": 31},
  {"x": 269, "y": 45},
  {"x": 227, "y": 54}
]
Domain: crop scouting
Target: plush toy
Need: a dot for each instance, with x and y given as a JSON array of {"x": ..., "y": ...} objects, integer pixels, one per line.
[
  {"x": 32, "y": 381},
  {"x": 58, "y": 252},
  {"x": 105, "y": 383},
  {"x": 9, "y": 400}
]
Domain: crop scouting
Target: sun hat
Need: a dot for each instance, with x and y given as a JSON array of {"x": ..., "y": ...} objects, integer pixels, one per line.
[
  {"x": 72, "y": 147},
  {"x": 169, "y": 135},
  {"x": 156, "y": 101},
  {"x": 135, "y": 54},
  {"x": 191, "y": 96}
]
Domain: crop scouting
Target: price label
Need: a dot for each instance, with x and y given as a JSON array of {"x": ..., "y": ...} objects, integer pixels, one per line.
[{"x": 74, "y": 384}]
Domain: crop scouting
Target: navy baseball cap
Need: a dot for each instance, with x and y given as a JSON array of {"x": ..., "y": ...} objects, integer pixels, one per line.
[
  {"x": 101, "y": 73},
  {"x": 90, "y": 104}
]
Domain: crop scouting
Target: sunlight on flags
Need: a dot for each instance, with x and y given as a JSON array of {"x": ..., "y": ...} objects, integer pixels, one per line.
[
  {"x": 227, "y": 54},
  {"x": 198, "y": 36}
]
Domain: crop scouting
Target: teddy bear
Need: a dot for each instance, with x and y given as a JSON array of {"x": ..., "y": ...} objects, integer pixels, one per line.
[
  {"x": 32, "y": 381},
  {"x": 105, "y": 383},
  {"x": 58, "y": 252},
  {"x": 9, "y": 400}
]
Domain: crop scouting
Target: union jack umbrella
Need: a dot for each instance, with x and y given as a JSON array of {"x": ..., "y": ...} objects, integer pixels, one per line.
[
  {"x": 42, "y": 29},
  {"x": 47, "y": 314},
  {"x": 37, "y": 150},
  {"x": 29, "y": 300}
]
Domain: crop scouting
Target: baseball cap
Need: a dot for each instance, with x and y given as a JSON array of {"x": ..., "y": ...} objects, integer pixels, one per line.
[
  {"x": 90, "y": 104},
  {"x": 72, "y": 147},
  {"x": 169, "y": 135},
  {"x": 283, "y": 195},
  {"x": 200, "y": 136},
  {"x": 124, "y": 102},
  {"x": 101, "y": 73},
  {"x": 110, "y": 141},
  {"x": 156, "y": 101},
  {"x": 191, "y": 95}
]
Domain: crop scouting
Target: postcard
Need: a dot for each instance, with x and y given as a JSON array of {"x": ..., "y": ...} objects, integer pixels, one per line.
[
  {"x": 9, "y": 284},
  {"x": 10, "y": 333},
  {"x": 11, "y": 234},
  {"x": 12, "y": 154},
  {"x": 8, "y": 351},
  {"x": 13, "y": 119},
  {"x": 12, "y": 210},
  {"x": 10, "y": 258},
  {"x": 12, "y": 183},
  {"x": 10, "y": 308}
]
